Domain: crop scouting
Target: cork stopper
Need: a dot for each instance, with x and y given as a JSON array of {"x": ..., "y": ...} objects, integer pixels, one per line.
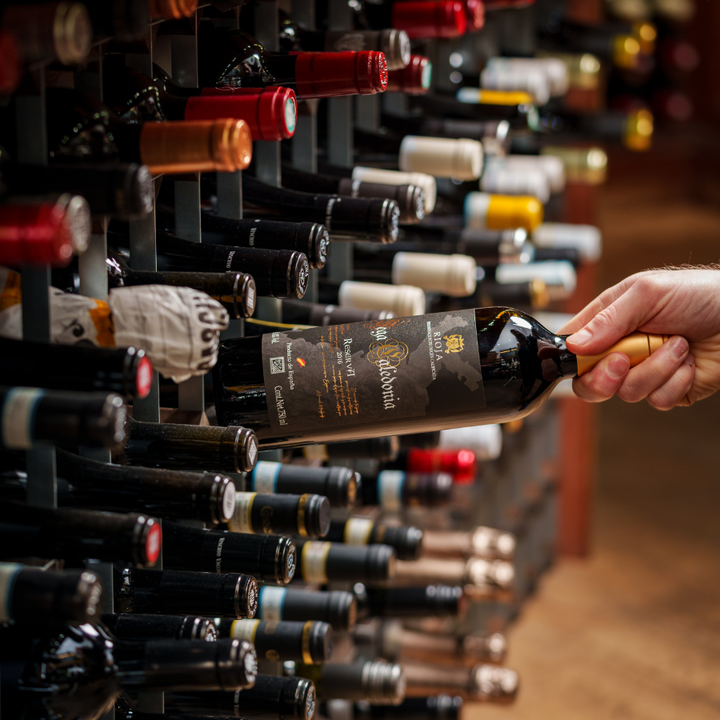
[
  {"x": 196, "y": 146},
  {"x": 637, "y": 346}
]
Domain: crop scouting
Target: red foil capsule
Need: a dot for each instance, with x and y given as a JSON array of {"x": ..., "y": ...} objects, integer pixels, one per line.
[
  {"x": 34, "y": 234},
  {"x": 327, "y": 74},
  {"x": 440, "y": 18},
  {"x": 503, "y": 4},
  {"x": 475, "y": 14},
  {"x": 461, "y": 464},
  {"x": 271, "y": 113},
  {"x": 10, "y": 64},
  {"x": 414, "y": 79}
]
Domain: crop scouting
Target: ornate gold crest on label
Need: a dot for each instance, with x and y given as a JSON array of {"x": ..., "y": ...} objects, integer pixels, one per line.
[{"x": 454, "y": 343}]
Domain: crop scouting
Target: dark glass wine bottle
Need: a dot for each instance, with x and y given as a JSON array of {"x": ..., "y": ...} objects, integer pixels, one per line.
[
  {"x": 393, "y": 490},
  {"x": 311, "y": 239},
  {"x": 414, "y": 79},
  {"x": 338, "y": 484},
  {"x": 235, "y": 291},
  {"x": 346, "y": 218},
  {"x": 305, "y": 313},
  {"x": 446, "y": 127},
  {"x": 126, "y": 371},
  {"x": 162, "y": 592},
  {"x": 409, "y": 602},
  {"x": 277, "y": 273},
  {"x": 382, "y": 449},
  {"x": 168, "y": 493},
  {"x": 309, "y": 642},
  {"x": 421, "y": 373},
  {"x": 222, "y": 449},
  {"x": 238, "y": 60},
  {"x": 371, "y": 681},
  {"x": 121, "y": 191},
  {"x": 267, "y": 557},
  {"x": 322, "y": 562},
  {"x": 35, "y": 596},
  {"x": 410, "y": 198},
  {"x": 129, "y": 626},
  {"x": 72, "y": 534},
  {"x": 483, "y": 542},
  {"x": 439, "y": 707},
  {"x": 307, "y": 515},
  {"x": 482, "y": 683},
  {"x": 406, "y": 541},
  {"x": 271, "y": 698},
  {"x": 435, "y": 19},
  {"x": 337, "y": 608}
]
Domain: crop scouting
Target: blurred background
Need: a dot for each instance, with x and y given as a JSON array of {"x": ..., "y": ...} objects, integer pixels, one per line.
[{"x": 630, "y": 627}]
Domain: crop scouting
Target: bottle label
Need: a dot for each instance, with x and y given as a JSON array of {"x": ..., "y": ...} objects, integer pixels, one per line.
[
  {"x": 8, "y": 573},
  {"x": 18, "y": 417},
  {"x": 244, "y": 630},
  {"x": 271, "y": 602},
  {"x": 373, "y": 373},
  {"x": 314, "y": 558},
  {"x": 390, "y": 489},
  {"x": 264, "y": 477},
  {"x": 357, "y": 531},
  {"x": 241, "y": 521}
]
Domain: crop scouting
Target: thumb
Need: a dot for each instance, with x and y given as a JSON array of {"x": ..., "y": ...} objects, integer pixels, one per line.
[{"x": 621, "y": 317}]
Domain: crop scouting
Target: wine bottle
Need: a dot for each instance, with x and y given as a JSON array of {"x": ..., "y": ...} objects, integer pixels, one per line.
[
  {"x": 394, "y": 177},
  {"x": 485, "y": 211},
  {"x": 305, "y": 313},
  {"x": 410, "y": 198},
  {"x": 480, "y": 578},
  {"x": 95, "y": 668},
  {"x": 306, "y": 515},
  {"x": 482, "y": 683},
  {"x": 461, "y": 464},
  {"x": 406, "y": 541},
  {"x": 238, "y": 60},
  {"x": 128, "y": 626},
  {"x": 44, "y": 233},
  {"x": 430, "y": 19},
  {"x": 482, "y": 130},
  {"x": 337, "y": 608},
  {"x": 267, "y": 557},
  {"x": 277, "y": 273},
  {"x": 454, "y": 275},
  {"x": 515, "y": 108},
  {"x": 125, "y": 20},
  {"x": 439, "y": 707},
  {"x": 532, "y": 294},
  {"x": 413, "y": 79},
  {"x": 166, "y": 445},
  {"x": 400, "y": 300},
  {"x": 382, "y": 449},
  {"x": 369, "y": 219},
  {"x": 172, "y": 9},
  {"x": 410, "y": 602},
  {"x": 72, "y": 534},
  {"x": 118, "y": 190},
  {"x": 177, "y": 592},
  {"x": 31, "y": 417},
  {"x": 309, "y": 642},
  {"x": 270, "y": 114},
  {"x": 82, "y": 129},
  {"x": 582, "y": 165},
  {"x": 126, "y": 371},
  {"x": 485, "y": 441},
  {"x": 372, "y": 681},
  {"x": 32, "y": 595},
  {"x": 585, "y": 239},
  {"x": 484, "y": 542},
  {"x": 337, "y": 484},
  {"x": 322, "y": 562},
  {"x": 398, "y": 644},
  {"x": 169, "y": 493},
  {"x": 48, "y": 31},
  {"x": 393, "y": 490},
  {"x": 515, "y": 365},
  {"x": 311, "y": 239},
  {"x": 394, "y": 44},
  {"x": 271, "y": 698}
]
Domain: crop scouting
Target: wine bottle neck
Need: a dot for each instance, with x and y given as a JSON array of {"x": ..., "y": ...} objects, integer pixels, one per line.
[{"x": 568, "y": 361}]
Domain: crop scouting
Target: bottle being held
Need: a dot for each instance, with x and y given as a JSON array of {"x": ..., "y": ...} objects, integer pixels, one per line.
[{"x": 232, "y": 58}]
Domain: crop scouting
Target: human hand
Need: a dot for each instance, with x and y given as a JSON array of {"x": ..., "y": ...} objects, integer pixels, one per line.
[{"x": 683, "y": 303}]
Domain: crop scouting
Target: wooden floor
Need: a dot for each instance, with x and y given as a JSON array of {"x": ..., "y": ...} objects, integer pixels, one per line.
[{"x": 633, "y": 632}]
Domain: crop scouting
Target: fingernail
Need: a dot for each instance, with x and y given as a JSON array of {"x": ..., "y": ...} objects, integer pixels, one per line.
[
  {"x": 689, "y": 360},
  {"x": 679, "y": 347},
  {"x": 618, "y": 366},
  {"x": 581, "y": 337}
]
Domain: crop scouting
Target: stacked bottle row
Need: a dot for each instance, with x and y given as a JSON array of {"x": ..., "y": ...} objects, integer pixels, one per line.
[{"x": 314, "y": 529}]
